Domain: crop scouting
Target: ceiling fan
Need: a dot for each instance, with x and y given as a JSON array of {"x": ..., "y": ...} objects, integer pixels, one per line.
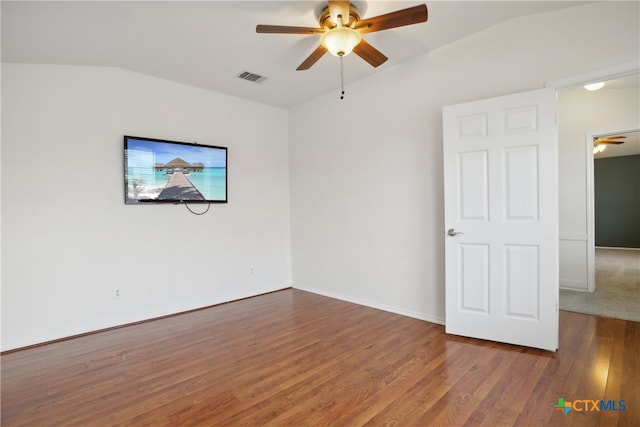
[
  {"x": 341, "y": 31},
  {"x": 600, "y": 142}
]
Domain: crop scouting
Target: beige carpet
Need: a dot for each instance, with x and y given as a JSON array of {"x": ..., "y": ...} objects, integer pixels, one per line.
[{"x": 617, "y": 291}]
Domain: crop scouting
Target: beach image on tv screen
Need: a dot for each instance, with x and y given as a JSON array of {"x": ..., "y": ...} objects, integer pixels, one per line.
[{"x": 168, "y": 171}]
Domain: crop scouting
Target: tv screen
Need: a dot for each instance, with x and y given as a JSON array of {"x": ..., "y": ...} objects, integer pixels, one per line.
[{"x": 160, "y": 171}]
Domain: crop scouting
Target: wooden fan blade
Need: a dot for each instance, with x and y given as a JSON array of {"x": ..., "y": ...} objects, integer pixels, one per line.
[
  {"x": 412, "y": 15},
  {"x": 369, "y": 53},
  {"x": 339, "y": 8},
  {"x": 611, "y": 137},
  {"x": 283, "y": 29},
  {"x": 313, "y": 58}
]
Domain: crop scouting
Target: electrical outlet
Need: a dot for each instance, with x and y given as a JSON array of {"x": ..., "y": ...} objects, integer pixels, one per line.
[
  {"x": 252, "y": 271},
  {"x": 117, "y": 293}
]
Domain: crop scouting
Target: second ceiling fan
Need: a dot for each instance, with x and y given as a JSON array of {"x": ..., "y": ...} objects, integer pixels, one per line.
[
  {"x": 601, "y": 142},
  {"x": 341, "y": 31}
]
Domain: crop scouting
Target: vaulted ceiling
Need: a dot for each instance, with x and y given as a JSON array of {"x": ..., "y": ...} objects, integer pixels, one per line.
[{"x": 207, "y": 44}]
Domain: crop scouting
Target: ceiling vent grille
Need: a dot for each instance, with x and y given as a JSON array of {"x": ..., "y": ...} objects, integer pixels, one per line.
[{"x": 256, "y": 78}]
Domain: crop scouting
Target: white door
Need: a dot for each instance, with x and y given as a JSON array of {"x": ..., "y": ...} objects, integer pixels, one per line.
[{"x": 501, "y": 219}]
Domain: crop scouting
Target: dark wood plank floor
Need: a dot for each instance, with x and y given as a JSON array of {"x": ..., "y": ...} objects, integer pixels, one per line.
[{"x": 295, "y": 358}]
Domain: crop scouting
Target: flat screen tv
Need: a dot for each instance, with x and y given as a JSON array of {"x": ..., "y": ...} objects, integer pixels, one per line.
[{"x": 160, "y": 171}]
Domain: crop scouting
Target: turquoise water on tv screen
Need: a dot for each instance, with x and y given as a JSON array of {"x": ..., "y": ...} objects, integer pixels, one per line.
[{"x": 211, "y": 182}]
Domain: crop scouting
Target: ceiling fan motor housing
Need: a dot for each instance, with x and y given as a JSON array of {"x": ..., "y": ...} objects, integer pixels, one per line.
[{"x": 328, "y": 22}]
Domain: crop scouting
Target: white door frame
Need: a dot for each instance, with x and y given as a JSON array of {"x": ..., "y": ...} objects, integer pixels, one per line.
[
  {"x": 602, "y": 74},
  {"x": 607, "y": 73}
]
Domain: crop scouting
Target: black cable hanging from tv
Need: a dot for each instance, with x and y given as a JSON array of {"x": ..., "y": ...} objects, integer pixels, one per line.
[{"x": 198, "y": 213}]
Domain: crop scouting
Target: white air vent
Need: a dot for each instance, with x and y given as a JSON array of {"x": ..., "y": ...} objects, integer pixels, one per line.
[{"x": 245, "y": 75}]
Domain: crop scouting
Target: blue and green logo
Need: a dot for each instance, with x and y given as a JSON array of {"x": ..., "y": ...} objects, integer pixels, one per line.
[
  {"x": 563, "y": 406},
  {"x": 589, "y": 405}
]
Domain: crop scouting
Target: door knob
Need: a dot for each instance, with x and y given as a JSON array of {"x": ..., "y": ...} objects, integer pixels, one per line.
[{"x": 453, "y": 232}]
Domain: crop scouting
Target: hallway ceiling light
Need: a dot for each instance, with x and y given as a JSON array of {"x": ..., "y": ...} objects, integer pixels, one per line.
[{"x": 594, "y": 86}]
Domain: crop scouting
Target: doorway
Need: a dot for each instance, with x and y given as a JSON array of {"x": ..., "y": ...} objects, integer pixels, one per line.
[
  {"x": 615, "y": 290},
  {"x": 586, "y": 271}
]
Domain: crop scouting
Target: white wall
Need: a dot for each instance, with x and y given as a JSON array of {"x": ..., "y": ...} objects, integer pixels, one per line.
[
  {"x": 366, "y": 172},
  {"x": 68, "y": 239},
  {"x": 365, "y": 181},
  {"x": 580, "y": 115}
]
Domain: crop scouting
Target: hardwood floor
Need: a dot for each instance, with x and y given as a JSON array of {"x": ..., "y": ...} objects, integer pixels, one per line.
[{"x": 296, "y": 358}]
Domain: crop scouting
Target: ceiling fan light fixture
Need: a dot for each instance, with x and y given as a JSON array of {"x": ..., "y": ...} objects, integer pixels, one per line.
[
  {"x": 594, "y": 86},
  {"x": 599, "y": 148},
  {"x": 340, "y": 41}
]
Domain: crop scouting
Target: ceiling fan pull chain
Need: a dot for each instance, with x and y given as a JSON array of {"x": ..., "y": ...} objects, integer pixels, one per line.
[{"x": 341, "y": 78}]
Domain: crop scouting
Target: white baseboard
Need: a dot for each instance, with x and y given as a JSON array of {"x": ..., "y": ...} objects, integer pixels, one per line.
[
  {"x": 618, "y": 249},
  {"x": 574, "y": 285},
  {"x": 383, "y": 307}
]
